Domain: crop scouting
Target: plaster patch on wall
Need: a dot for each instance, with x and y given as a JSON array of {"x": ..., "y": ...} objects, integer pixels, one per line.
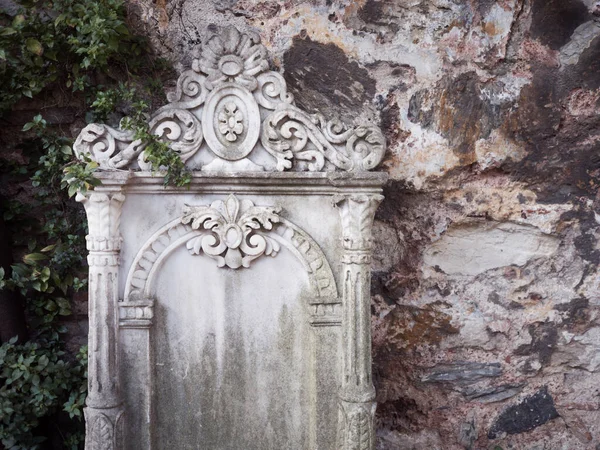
[
  {"x": 495, "y": 150},
  {"x": 472, "y": 248},
  {"x": 580, "y": 40}
]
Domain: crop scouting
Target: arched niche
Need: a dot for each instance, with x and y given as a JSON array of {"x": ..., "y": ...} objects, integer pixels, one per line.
[{"x": 218, "y": 334}]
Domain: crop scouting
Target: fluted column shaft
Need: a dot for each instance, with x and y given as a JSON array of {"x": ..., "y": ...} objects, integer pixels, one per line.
[
  {"x": 357, "y": 393},
  {"x": 104, "y": 411}
]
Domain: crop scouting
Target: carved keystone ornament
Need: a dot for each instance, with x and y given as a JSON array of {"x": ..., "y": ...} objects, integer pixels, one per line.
[
  {"x": 235, "y": 239},
  {"x": 234, "y": 313}
]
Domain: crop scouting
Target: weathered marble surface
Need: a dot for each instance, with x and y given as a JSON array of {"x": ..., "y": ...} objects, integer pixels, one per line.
[{"x": 234, "y": 312}]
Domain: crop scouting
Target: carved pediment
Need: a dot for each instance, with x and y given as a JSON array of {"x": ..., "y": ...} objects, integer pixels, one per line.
[{"x": 230, "y": 113}]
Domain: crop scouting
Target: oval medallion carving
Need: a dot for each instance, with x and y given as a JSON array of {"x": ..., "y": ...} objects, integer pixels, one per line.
[{"x": 231, "y": 121}]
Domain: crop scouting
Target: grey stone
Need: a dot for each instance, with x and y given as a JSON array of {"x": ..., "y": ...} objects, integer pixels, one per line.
[
  {"x": 529, "y": 413},
  {"x": 473, "y": 248},
  {"x": 468, "y": 433},
  {"x": 462, "y": 371},
  {"x": 493, "y": 394}
]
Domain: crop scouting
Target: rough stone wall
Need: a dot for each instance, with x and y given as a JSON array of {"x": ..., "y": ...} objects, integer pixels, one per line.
[{"x": 486, "y": 287}]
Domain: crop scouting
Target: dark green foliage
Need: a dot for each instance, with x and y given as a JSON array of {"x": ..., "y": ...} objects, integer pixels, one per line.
[
  {"x": 37, "y": 381},
  {"x": 157, "y": 152},
  {"x": 62, "y": 41}
]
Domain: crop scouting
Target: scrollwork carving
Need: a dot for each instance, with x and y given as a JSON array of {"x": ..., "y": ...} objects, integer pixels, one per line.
[
  {"x": 290, "y": 133},
  {"x": 110, "y": 148},
  {"x": 191, "y": 91},
  {"x": 179, "y": 127},
  {"x": 230, "y": 89},
  {"x": 272, "y": 90},
  {"x": 235, "y": 237}
]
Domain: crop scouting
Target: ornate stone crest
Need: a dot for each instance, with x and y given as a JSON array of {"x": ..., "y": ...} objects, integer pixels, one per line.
[{"x": 230, "y": 105}]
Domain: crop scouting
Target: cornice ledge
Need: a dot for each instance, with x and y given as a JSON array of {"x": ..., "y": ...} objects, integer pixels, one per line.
[{"x": 136, "y": 181}]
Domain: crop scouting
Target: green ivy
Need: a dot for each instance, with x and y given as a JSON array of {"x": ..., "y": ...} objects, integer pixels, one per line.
[
  {"x": 156, "y": 152},
  {"x": 41, "y": 375},
  {"x": 62, "y": 41}
]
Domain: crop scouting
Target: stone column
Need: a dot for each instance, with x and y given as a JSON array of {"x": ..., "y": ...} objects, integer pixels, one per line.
[
  {"x": 357, "y": 393},
  {"x": 136, "y": 368},
  {"x": 104, "y": 411}
]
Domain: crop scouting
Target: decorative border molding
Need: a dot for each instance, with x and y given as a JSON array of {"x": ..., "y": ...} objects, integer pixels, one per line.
[{"x": 226, "y": 104}]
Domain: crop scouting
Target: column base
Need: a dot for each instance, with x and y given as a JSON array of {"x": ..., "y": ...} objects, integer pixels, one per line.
[
  {"x": 104, "y": 428},
  {"x": 356, "y": 427}
]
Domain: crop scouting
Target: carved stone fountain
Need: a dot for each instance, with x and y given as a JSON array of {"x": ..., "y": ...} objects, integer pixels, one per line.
[{"x": 235, "y": 313}]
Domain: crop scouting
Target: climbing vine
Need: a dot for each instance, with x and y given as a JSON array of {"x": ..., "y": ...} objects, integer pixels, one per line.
[{"x": 81, "y": 53}]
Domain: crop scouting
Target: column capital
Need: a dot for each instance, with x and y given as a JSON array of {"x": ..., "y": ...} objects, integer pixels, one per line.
[
  {"x": 104, "y": 215},
  {"x": 357, "y": 212}
]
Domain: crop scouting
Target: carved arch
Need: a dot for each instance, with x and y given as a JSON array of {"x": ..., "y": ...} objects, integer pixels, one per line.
[{"x": 171, "y": 236}]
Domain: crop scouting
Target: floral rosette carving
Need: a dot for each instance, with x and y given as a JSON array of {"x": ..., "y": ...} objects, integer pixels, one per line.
[
  {"x": 232, "y": 57},
  {"x": 236, "y": 231},
  {"x": 231, "y": 121}
]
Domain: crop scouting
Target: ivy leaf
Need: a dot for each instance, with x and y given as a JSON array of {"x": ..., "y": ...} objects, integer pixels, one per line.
[
  {"x": 18, "y": 20},
  {"x": 113, "y": 43},
  {"x": 7, "y": 31},
  {"x": 43, "y": 362},
  {"x": 32, "y": 258},
  {"x": 73, "y": 190},
  {"x": 34, "y": 46}
]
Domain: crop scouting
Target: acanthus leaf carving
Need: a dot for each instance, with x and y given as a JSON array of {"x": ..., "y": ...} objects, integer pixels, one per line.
[
  {"x": 284, "y": 232},
  {"x": 357, "y": 213},
  {"x": 224, "y": 104},
  {"x": 104, "y": 216},
  {"x": 356, "y": 426},
  {"x": 235, "y": 229},
  {"x": 102, "y": 434}
]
